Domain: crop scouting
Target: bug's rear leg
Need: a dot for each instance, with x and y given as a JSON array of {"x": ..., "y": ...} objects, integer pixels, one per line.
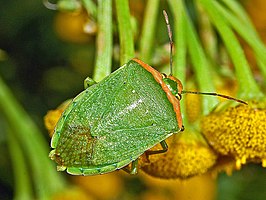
[
  {"x": 88, "y": 82},
  {"x": 163, "y": 150},
  {"x": 133, "y": 168}
]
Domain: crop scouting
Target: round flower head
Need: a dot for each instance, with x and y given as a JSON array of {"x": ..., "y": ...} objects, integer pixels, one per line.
[
  {"x": 239, "y": 132},
  {"x": 188, "y": 155}
]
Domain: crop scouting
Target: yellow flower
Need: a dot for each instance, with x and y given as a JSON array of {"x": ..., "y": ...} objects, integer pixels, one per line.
[
  {"x": 52, "y": 117},
  {"x": 192, "y": 103},
  {"x": 239, "y": 132},
  {"x": 193, "y": 108},
  {"x": 75, "y": 27},
  {"x": 188, "y": 155}
]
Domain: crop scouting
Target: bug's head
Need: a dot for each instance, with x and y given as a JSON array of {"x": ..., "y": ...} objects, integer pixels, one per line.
[{"x": 174, "y": 85}]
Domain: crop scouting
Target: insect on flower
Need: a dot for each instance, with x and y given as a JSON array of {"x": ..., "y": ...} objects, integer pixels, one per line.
[{"x": 112, "y": 123}]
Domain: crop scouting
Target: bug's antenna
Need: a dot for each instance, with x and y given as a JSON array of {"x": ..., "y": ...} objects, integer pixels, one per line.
[
  {"x": 215, "y": 94},
  {"x": 170, "y": 35},
  {"x": 170, "y": 40}
]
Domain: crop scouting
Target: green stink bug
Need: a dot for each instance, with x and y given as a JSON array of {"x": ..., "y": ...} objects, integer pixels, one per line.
[{"x": 113, "y": 122}]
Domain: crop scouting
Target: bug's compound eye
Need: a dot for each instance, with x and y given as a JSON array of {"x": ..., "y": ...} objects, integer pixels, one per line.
[
  {"x": 178, "y": 96},
  {"x": 182, "y": 128},
  {"x": 164, "y": 75}
]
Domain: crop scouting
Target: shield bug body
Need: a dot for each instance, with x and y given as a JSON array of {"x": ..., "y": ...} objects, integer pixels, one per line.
[{"x": 113, "y": 122}]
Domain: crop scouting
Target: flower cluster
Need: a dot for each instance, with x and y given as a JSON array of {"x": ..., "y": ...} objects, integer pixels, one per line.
[{"x": 238, "y": 132}]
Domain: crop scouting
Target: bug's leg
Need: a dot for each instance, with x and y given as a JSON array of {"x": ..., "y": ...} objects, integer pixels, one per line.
[
  {"x": 89, "y": 82},
  {"x": 133, "y": 169},
  {"x": 164, "y": 146}
]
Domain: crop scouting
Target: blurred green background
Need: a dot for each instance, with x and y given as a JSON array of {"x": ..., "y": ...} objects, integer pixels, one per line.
[{"x": 41, "y": 69}]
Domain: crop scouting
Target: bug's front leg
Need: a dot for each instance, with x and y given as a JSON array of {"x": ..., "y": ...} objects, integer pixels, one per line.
[{"x": 88, "y": 82}]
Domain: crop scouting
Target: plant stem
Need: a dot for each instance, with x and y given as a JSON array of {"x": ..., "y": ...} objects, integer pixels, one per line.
[
  {"x": 248, "y": 88},
  {"x": 179, "y": 59},
  {"x": 90, "y": 7},
  {"x": 103, "y": 65},
  {"x": 238, "y": 10},
  {"x": 21, "y": 176},
  {"x": 46, "y": 179},
  {"x": 207, "y": 34},
  {"x": 248, "y": 33},
  {"x": 200, "y": 66},
  {"x": 125, "y": 31},
  {"x": 148, "y": 30}
]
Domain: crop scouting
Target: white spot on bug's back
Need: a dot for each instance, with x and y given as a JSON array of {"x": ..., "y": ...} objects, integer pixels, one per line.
[
  {"x": 134, "y": 105},
  {"x": 129, "y": 108},
  {"x": 133, "y": 91},
  {"x": 113, "y": 121}
]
